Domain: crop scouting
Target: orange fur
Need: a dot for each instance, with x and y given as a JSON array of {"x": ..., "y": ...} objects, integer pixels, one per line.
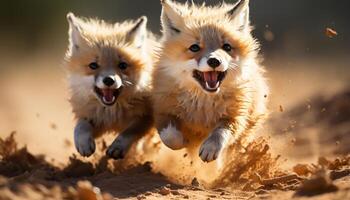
[
  {"x": 108, "y": 44},
  {"x": 240, "y": 104}
]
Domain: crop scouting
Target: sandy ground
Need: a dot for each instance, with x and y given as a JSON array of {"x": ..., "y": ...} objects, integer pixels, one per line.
[{"x": 310, "y": 119}]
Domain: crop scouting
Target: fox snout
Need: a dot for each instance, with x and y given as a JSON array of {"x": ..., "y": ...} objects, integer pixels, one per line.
[
  {"x": 109, "y": 81},
  {"x": 214, "y": 62}
]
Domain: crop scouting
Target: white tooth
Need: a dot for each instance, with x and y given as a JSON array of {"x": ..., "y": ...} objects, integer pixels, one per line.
[
  {"x": 211, "y": 88},
  {"x": 206, "y": 85},
  {"x": 105, "y": 100},
  {"x": 217, "y": 84}
]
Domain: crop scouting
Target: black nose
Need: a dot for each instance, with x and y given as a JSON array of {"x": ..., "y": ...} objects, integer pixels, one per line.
[
  {"x": 213, "y": 62},
  {"x": 108, "y": 81}
]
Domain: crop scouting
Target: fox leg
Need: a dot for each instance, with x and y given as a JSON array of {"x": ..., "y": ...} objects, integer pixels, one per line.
[
  {"x": 222, "y": 136},
  {"x": 83, "y": 138},
  {"x": 170, "y": 134},
  {"x": 125, "y": 139},
  {"x": 215, "y": 143}
]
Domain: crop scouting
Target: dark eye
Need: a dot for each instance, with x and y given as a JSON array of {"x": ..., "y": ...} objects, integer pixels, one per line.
[
  {"x": 94, "y": 66},
  {"x": 227, "y": 47},
  {"x": 194, "y": 48},
  {"x": 123, "y": 65}
]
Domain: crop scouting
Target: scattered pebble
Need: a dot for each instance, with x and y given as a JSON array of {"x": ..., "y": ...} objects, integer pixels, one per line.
[
  {"x": 148, "y": 193},
  {"x": 293, "y": 140},
  {"x": 195, "y": 182},
  {"x": 175, "y": 192},
  {"x": 281, "y": 108},
  {"x": 164, "y": 191},
  {"x": 331, "y": 33},
  {"x": 67, "y": 143},
  {"x": 53, "y": 126}
]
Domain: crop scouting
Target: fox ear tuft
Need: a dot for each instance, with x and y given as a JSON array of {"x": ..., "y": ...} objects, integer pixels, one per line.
[
  {"x": 75, "y": 31},
  {"x": 171, "y": 18},
  {"x": 240, "y": 14},
  {"x": 138, "y": 32}
]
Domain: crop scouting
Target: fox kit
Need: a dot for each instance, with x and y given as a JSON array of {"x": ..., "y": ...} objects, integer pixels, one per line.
[
  {"x": 109, "y": 72},
  {"x": 209, "y": 88}
]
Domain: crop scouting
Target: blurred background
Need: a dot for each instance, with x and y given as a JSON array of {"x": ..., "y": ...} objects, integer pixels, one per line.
[{"x": 303, "y": 63}]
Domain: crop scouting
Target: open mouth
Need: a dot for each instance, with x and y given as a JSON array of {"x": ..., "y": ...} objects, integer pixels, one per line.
[
  {"x": 211, "y": 80},
  {"x": 108, "y": 96}
]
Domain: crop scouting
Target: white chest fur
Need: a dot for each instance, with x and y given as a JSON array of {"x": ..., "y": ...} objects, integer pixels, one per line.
[
  {"x": 108, "y": 116},
  {"x": 203, "y": 109}
]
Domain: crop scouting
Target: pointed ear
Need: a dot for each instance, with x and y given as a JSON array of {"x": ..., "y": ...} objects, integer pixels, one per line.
[
  {"x": 171, "y": 18},
  {"x": 75, "y": 32},
  {"x": 240, "y": 14},
  {"x": 138, "y": 33}
]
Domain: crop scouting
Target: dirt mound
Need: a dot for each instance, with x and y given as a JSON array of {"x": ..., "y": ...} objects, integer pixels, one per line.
[
  {"x": 15, "y": 162},
  {"x": 26, "y": 176}
]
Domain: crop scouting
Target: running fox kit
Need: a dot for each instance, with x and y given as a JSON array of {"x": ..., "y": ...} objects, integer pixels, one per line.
[
  {"x": 109, "y": 70},
  {"x": 209, "y": 88}
]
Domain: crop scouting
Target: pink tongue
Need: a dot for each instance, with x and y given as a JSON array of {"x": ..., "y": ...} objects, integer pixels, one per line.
[
  {"x": 108, "y": 95},
  {"x": 211, "y": 78}
]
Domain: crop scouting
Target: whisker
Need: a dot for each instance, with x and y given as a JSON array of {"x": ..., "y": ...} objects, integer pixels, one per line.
[
  {"x": 233, "y": 66},
  {"x": 127, "y": 83}
]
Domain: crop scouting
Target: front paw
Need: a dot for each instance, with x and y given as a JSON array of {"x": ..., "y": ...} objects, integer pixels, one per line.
[
  {"x": 172, "y": 137},
  {"x": 118, "y": 148},
  {"x": 83, "y": 139},
  {"x": 213, "y": 145},
  {"x": 85, "y": 144}
]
